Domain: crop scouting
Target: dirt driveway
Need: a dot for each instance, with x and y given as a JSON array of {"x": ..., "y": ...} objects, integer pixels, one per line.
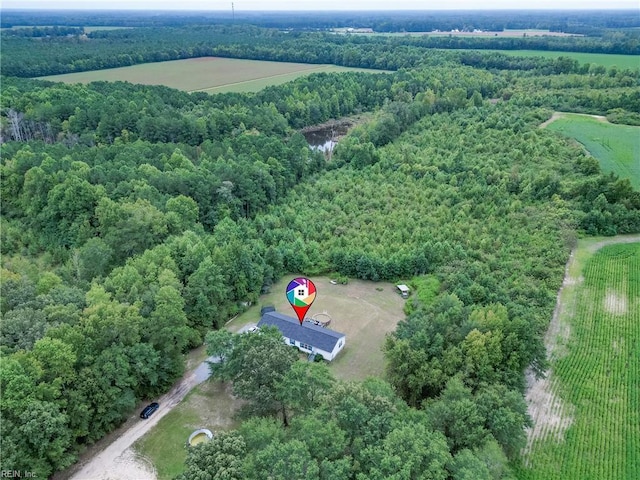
[
  {"x": 118, "y": 461},
  {"x": 557, "y": 115}
]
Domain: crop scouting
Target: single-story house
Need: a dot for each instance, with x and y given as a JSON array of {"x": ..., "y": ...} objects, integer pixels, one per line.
[{"x": 307, "y": 337}]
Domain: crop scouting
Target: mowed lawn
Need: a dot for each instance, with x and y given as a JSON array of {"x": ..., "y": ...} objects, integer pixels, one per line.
[
  {"x": 616, "y": 147},
  {"x": 600, "y": 375},
  {"x": 207, "y": 74},
  {"x": 364, "y": 311},
  {"x": 607, "y": 60}
]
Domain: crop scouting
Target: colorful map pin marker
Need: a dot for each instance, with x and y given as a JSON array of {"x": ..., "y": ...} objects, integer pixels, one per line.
[{"x": 301, "y": 292}]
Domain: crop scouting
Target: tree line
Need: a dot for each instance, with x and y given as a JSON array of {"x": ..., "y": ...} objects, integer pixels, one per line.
[
  {"x": 579, "y": 22},
  {"x": 33, "y": 57}
]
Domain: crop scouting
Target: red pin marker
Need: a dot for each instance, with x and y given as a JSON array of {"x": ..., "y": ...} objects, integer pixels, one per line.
[{"x": 301, "y": 292}]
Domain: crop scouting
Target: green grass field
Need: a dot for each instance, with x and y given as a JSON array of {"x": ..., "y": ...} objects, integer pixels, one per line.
[
  {"x": 600, "y": 375},
  {"x": 208, "y": 74},
  {"x": 617, "y": 147},
  {"x": 359, "y": 310},
  {"x": 621, "y": 61}
]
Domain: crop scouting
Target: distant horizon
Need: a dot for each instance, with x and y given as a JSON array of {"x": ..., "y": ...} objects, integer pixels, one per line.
[
  {"x": 345, "y": 10},
  {"x": 312, "y": 5}
]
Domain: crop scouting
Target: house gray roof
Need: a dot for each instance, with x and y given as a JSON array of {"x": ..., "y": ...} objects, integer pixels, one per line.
[{"x": 314, "y": 335}]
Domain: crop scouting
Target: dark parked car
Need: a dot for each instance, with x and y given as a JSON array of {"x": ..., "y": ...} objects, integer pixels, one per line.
[{"x": 149, "y": 409}]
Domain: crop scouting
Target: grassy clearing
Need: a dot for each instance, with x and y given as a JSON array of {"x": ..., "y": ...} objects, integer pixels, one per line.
[
  {"x": 600, "y": 375},
  {"x": 209, "y": 74},
  {"x": 617, "y": 147},
  {"x": 209, "y": 405},
  {"x": 364, "y": 311},
  {"x": 608, "y": 60},
  {"x": 360, "y": 310}
]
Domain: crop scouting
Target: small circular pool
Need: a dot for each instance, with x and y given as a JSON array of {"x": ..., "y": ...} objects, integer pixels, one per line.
[{"x": 200, "y": 436}]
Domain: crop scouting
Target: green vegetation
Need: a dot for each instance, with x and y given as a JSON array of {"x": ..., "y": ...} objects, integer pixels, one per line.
[
  {"x": 209, "y": 405},
  {"x": 328, "y": 434},
  {"x": 631, "y": 62},
  {"x": 165, "y": 445},
  {"x": 424, "y": 291},
  {"x": 617, "y": 147},
  {"x": 137, "y": 220},
  {"x": 212, "y": 75},
  {"x": 40, "y": 52},
  {"x": 599, "y": 375}
]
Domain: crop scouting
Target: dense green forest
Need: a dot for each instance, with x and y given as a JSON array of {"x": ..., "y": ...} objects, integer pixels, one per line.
[{"x": 137, "y": 219}]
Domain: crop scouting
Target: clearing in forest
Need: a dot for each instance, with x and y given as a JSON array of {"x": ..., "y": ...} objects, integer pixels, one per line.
[
  {"x": 208, "y": 74},
  {"x": 364, "y": 311},
  {"x": 616, "y": 147},
  {"x": 594, "y": 387}
]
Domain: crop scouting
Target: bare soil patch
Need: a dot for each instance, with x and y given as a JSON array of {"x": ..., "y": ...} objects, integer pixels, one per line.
[
  {"x": 557, "y": 115},
  {"x": 136, "y": 466},
  {"x": 226, "y": 405},
  {"x": 615, "y": 303},
  {"x": 551, "y": 416},
  {"x": 365, "y": 315},
  {"x": 559, "y": 330}
]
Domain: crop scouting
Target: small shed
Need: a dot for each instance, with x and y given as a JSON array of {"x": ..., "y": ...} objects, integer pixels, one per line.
[
  {"x": 267, "y": 309},
  {"x": 404, "y": 290}
]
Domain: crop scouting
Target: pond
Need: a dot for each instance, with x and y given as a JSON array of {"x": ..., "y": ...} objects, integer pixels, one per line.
[{"x": 326, "y": 137}]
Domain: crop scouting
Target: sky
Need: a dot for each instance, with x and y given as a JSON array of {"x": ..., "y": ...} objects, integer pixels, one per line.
[{"x": 321, "y": 4}]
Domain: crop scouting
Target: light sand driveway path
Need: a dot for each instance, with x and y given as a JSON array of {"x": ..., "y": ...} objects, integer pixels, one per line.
[{"x": 118, "y": 460}]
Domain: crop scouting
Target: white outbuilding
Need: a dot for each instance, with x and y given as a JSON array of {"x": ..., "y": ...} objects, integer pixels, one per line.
[{"x": 404, "y": 290}]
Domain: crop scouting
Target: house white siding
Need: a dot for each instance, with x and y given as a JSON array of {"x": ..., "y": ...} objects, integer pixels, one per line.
[
  {"x": 308, "y": 337},
  {"x": 329, "y": 356}
]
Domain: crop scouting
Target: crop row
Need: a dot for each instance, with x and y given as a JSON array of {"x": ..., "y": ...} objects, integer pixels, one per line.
[{"x": 600, "y": 376}]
